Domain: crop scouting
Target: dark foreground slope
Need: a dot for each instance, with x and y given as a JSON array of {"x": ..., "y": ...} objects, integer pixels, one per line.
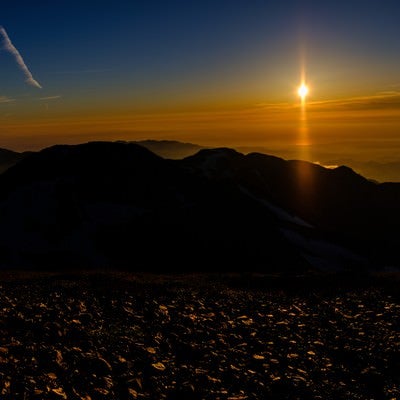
[
  {"x": 120, "y": 205},
  {"x": 99, "y": 337}
]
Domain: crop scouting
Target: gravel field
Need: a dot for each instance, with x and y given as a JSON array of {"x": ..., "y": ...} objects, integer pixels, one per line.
[{"x": 106, "y": 337}]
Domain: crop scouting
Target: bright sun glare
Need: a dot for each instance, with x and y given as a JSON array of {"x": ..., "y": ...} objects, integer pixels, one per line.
[{"x": 302, "y": 91}]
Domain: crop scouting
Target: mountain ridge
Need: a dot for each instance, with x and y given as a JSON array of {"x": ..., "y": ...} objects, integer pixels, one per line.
[{"x": 119, "y": 204}]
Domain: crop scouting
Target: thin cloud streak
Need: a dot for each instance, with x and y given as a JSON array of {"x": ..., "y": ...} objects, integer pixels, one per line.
[
  {"x": 379, "y": 101},
  {"x": 4, "y": 99},
  {"x": 388, "y": 100},
  {"x": 50, "y": 98},
  {"x": 18, "y": 58},
  {"x": 82, "y": 71}
]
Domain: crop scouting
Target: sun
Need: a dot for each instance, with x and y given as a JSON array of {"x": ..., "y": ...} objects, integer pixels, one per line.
[{"x": 302, "y": 91}]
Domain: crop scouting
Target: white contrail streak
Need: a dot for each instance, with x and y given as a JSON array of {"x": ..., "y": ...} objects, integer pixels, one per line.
[{"x": 18, "y": 58}]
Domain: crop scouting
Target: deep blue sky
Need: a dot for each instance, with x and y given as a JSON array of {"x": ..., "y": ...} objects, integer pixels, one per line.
[{"x": 169, "y": 44}]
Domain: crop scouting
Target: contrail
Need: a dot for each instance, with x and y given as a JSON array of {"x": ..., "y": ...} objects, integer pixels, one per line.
[{"x": 18, "y": 58}]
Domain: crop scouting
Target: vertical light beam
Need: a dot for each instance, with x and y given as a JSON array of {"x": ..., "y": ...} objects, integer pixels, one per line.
[{"x": 304, "y": 169}]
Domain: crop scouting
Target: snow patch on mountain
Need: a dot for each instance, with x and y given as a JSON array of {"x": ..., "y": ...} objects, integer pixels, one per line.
[
  {"x": 323, "y": 254},
  {"x": 280, "y": 213}
]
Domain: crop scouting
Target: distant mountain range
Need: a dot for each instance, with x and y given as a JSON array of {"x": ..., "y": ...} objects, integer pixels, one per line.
[
  {"x": 379, "y": 171},
  {"x": 119, "y": 205},
  {"x": 170, "y": 148}
]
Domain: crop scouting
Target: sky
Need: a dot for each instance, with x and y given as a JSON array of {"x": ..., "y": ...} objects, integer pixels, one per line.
[{"x": 221, "y": 72}]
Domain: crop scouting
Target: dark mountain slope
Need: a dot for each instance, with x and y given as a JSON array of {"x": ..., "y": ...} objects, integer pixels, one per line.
[
  {"x": 337, "y": 201},
  {"x": 119, "y": 205},
  {"x": 116, "y": 171},
  {"x": 9, "y": 158}
]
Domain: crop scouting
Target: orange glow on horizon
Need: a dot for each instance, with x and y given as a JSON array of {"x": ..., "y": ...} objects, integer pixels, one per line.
[{"x": 274, "y": 124}]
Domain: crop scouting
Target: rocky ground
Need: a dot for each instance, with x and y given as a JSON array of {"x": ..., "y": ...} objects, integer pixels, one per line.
[{"x": 107, "y": 337}]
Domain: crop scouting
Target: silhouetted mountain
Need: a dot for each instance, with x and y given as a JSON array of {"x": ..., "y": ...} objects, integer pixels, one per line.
[
  {"x": 337, "y": 201},
  {"x": 66, "y": 206},
  {"x": 379, "y": 171},
  {"x": 9, "y": 158},
  {"x": 119, "y": 205}
]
